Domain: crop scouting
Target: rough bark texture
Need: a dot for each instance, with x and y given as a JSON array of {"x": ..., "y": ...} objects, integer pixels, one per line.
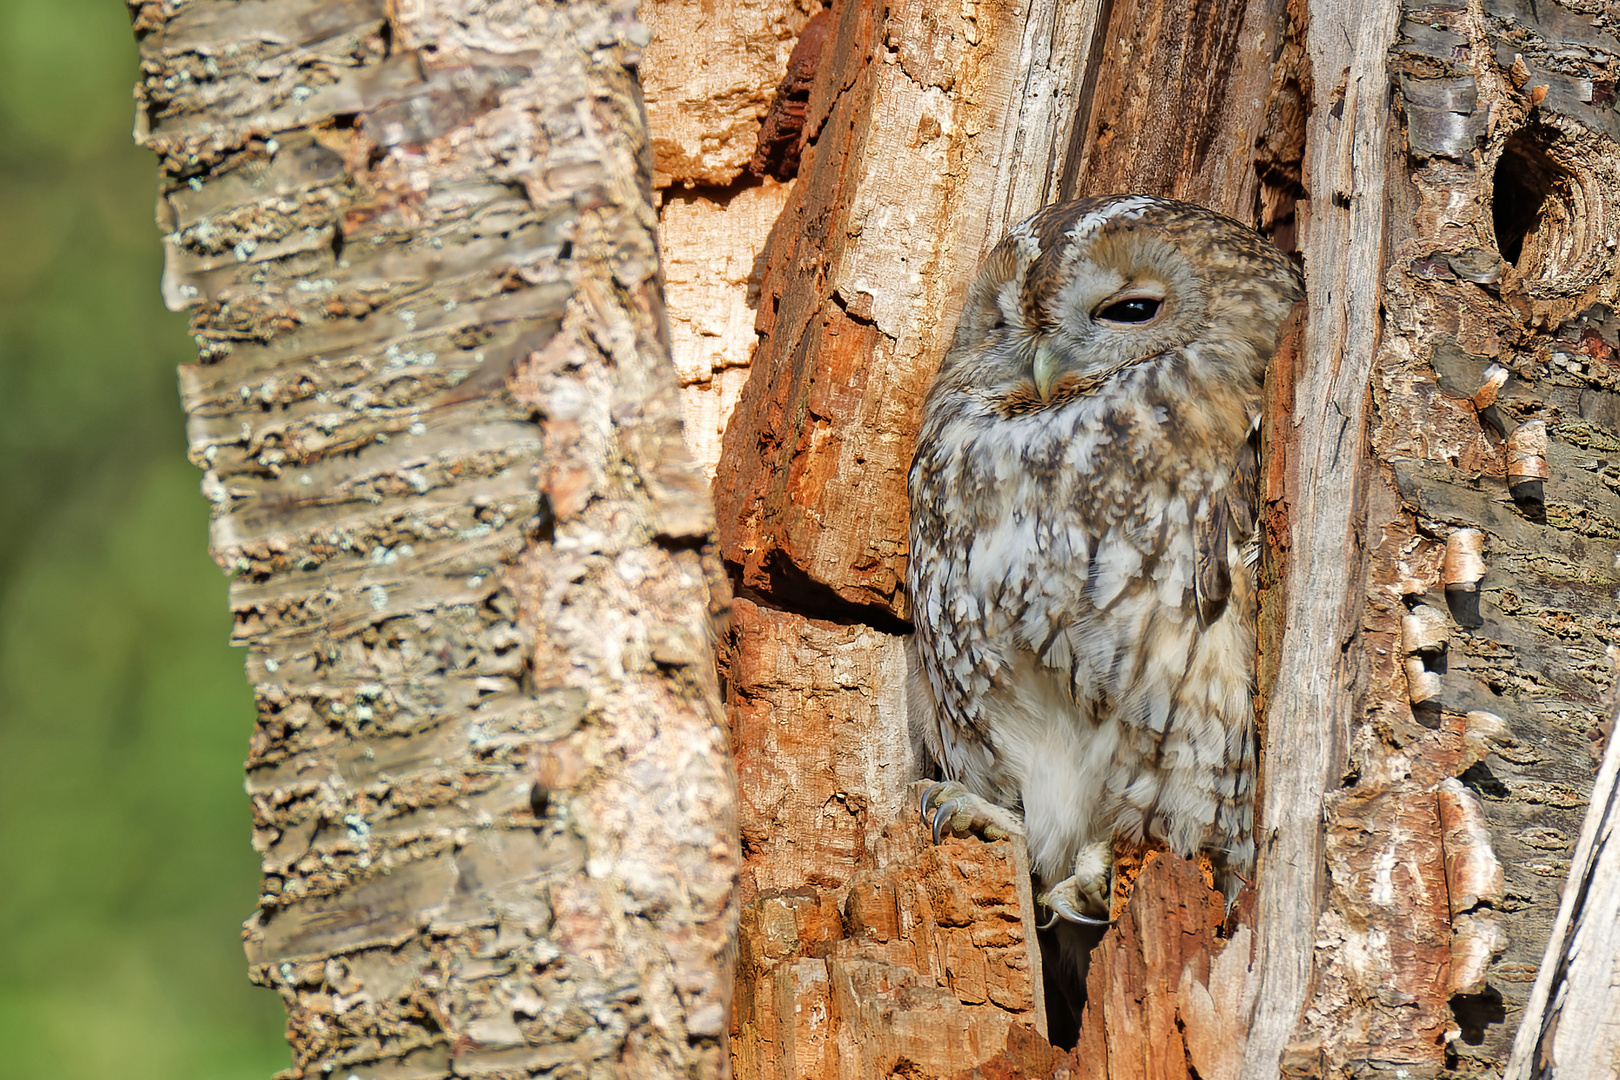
[
  {"x": 1496, "y": 250},
  {"x": 440, "y": 429},
  {"x": 919, "y": 966}
]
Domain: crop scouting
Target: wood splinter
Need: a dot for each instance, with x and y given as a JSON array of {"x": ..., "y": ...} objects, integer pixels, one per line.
[
  {"x": 1460, "y": 574},
  {"x": 1527, "y": 471}
]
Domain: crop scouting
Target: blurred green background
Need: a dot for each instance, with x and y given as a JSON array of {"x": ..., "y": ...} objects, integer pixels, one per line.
[{"x": 125, "y": 870}]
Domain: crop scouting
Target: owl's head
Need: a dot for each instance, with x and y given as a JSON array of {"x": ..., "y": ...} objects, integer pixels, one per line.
[{"x": 1085, "y": 289}]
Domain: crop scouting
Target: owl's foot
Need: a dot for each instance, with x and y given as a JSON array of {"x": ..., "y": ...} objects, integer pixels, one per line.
[
  {"x": 962, "y": 813},
  {"x": 1084, "y": 896}
]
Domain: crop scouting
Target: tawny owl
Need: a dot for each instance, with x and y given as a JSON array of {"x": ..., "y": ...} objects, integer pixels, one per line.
[{"x": 1083, "y": 538}]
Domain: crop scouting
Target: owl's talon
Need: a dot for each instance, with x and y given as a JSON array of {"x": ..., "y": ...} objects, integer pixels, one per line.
[
  {"x": 960, "y": 812},
  {"x": 1061, "y": 907},
  {"x": 1088, "y": 888}
]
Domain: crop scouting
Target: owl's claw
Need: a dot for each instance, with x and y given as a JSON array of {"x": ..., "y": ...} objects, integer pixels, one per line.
[
  {"x": 943, "y": 815},
  {"x": 1089, "y": 888},
  {"x": 1062, "y": 909},
  {"x": 961, "y": 813},
  {"x": 928, "y": 796}
]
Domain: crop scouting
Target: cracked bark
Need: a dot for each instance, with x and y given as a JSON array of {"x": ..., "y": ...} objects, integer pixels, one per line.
[{"x": 472, "y": 564}]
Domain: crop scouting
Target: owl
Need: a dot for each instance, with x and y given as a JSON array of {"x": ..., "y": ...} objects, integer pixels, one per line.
[{"x": 1083, "y": 540}]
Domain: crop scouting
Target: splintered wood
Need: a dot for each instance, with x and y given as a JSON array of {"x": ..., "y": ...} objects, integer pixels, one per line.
[
  {"x": 920, "y": 965},
  {"x": 865, "y": 949},
  {"x": 1167, "y": 998},
  {"x": 815, "y": 665},
  {"x": 1569, "y": 1020},
  {"x": 709, "y": 76}
]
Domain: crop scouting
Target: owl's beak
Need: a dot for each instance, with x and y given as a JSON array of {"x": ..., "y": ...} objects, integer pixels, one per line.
[{"x": 1044, "y": 370}]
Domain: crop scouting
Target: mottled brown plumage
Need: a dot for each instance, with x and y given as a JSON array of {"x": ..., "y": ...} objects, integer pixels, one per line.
[{"x": 1082, "y": 536}]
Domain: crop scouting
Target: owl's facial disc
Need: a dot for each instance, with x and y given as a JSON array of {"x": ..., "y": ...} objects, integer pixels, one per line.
[{"x": 1135, "y": 307}]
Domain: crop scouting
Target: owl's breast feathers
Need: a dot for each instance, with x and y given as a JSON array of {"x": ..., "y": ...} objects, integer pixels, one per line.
[{"x": 1072, "y": 533}]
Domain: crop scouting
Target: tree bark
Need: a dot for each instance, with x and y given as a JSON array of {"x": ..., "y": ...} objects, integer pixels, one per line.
[
  {"x": 1568, "y": 1029},
  {"x": 472, "y": 561}
]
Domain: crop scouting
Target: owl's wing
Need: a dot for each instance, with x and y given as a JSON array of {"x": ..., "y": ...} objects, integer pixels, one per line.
[{"x": 1226, "y": 529}]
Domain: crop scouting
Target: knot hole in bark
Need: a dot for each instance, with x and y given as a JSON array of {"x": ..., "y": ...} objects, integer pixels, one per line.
[{"x": 1531, "y": 207}]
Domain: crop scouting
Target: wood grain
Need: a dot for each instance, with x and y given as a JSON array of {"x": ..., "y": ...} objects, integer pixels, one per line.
[
  {"x": 1180, "y": 99},
  {"x": 1326, "y": 470},
  {"x": 1568, "y": 1030}
]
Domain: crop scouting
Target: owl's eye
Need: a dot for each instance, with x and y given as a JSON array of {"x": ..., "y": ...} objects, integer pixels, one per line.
[{"x": 1132, "y": 309}]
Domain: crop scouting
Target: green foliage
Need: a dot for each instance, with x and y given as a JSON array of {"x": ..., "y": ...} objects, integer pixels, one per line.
[{"x": 125, "y": 869}]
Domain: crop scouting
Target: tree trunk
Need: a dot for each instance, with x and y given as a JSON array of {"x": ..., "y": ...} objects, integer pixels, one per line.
[
  {"x": 1568, "y": 1029},
  {"x": 439, "y": 591},
  {"x": 473, "y": 564}
]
